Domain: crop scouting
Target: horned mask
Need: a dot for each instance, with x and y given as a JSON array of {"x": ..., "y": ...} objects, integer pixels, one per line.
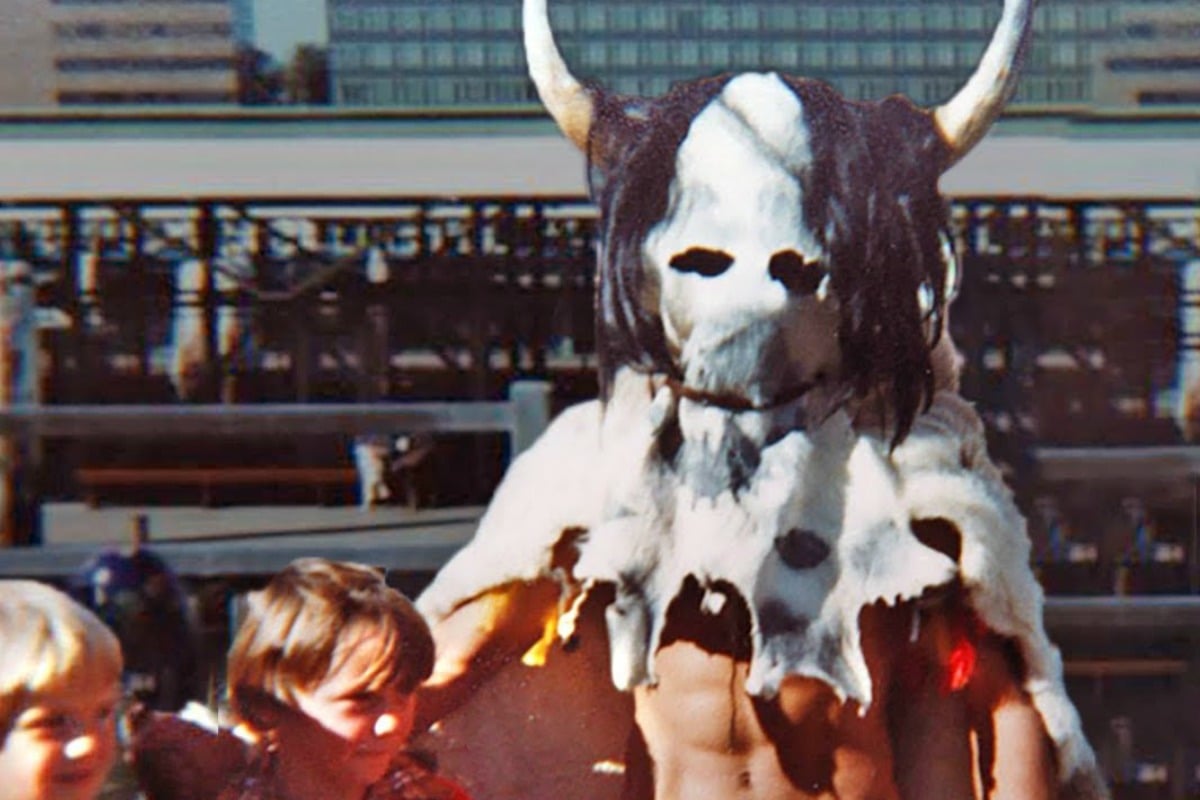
[{"x": 761, "y": 236}]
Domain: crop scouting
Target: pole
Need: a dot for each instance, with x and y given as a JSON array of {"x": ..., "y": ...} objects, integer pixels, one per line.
[{"x": 19, "y": 381}]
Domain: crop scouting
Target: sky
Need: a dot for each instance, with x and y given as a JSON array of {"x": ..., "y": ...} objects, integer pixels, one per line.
[{"x": 279, "y": 25}]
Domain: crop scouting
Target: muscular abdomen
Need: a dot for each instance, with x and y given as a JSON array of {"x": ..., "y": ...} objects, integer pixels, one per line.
[{"x": 707, "y": 738}]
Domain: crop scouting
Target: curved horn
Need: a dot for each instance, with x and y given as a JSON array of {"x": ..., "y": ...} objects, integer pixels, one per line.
[
  {"x": 568, "y": 102},
  {"x": 966, "y": 117}
]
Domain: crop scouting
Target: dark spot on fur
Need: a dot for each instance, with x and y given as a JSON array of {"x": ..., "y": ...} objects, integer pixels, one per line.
[
  {"x": 801, "y": 549},
  {"x": 730, "y": 466},
  {"x": 827, "y": 655},
  {"x": 776, "y": 619},
  {"x": 670, "y": 438},
  {"x": 742, "y": 456}
]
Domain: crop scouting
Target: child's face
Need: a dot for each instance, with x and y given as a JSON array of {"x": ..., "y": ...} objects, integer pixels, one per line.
[
  {"x": 358, "y": 732},
  {"x": 61, "y": 746}
]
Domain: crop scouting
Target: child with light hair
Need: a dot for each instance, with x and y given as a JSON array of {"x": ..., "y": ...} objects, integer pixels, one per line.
[
  {"x": 60, "y": 684},
  {"x": 321, "y": 677}
]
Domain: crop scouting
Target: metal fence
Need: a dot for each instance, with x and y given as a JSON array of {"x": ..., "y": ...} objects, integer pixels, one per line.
[{"x": 1073, "y": 314}]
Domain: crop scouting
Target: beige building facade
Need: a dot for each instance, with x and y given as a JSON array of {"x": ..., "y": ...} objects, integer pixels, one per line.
[
  {"x": 117, "y": 52},
  {"x": 1156, "y": 60},
  {"x": 26, "y": 55}
]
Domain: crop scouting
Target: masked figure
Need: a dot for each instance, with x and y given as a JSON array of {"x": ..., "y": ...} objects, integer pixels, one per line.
[{"x": 773, "y": 559}]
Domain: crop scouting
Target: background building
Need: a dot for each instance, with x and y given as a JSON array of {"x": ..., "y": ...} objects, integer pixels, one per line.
[
  {"x": 1156, "y": 62},
  {"x": 243, "y": 21},
  {"x": 76, "y": 52},
  {"x": 26, "y": 54},
  {"x": 417, "y": 53}
]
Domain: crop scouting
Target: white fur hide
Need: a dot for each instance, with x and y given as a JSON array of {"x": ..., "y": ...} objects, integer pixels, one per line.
[{"x": 814, "y": 527}]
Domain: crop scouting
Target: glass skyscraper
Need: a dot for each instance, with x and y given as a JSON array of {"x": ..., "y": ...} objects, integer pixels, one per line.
[{"x": 468, "y": 52}]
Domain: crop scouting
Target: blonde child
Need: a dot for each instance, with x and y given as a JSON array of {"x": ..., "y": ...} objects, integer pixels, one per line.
[
  {"x": 60, "y": 679},
  {"x": 322, "y": 672}
]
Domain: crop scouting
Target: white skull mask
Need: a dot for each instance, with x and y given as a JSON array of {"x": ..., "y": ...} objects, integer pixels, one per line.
[{"x": 743, "y": 287}]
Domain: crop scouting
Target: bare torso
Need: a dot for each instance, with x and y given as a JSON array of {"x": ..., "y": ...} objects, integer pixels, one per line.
[
  {"x": 707, "y": 738},
  {"x": 700, "y": 736}
]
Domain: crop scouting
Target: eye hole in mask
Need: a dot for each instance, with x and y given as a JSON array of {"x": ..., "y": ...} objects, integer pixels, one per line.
[
  {"x": 799, "y": 275},
  {"x": 701, "y": 261}
]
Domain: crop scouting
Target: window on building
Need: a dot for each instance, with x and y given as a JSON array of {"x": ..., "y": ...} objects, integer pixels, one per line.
[
  {"x": 408, "y": 55},
  {"x": 656, "y": 85},
  {"x": 562, "y": 18},
  {"x": 1155, "y": 64},
  {"x": 746, "y": 54},
  {"x": 624, "y": 54},
  {"x": 503, "y": 55},
  {"x": 970, "y": 18},
  {"x": 814, "y": 55},
  {"x": 353, "y": 93},
  {"x": 594, "y": 17},
  {"x": 1096, "y": 17},
  {"x": 412, "y": 92},
  {"x": 626, "y": 85},
  {"x": 716, "y": 53},
  {"x": 939, "y": 55},
  {"x": 623, "y": 18},
  {"x": 878, "y": 55},
  {"x": 595, "y": 54},
  {"x": 1063, "y": 17},
  {"x": 441, "y": 54},
  {"x": 1039, "y": 57},
  {"x": 967, "y": 55},
  {"x": 909, "y": 19},
  {"x": 714, "y": 18},
  {"x": 344, "y": 20},
  {"x": 688, "y": 22},
  {"x": 468, "y": 18},
  {"x": 939, "y": 19},
  {"x": 380, "y": 56},
  {"x": 1064, "y": 54},
  {"x": 501, "y": 18},
  {"x": 910, "y": 55},
  {"x": 471, "y": 92},
  {"x": 746, "y": 17},
  {"x": 406, "y": 20},
  {"x": 780, "y": 18},
  {"x": 656, "y": 53},
  {"x": 784, "y": 55},
  {"x": 441, "y": 92},
  {"x": 144, "y": 64},
  {"x": 438, "y": 19},
  {"x": 653, "y": 17},
  {"x": 687, "y": 54},
  {"x": 376, "y": 20},
  {"x": 878, "y": 20},
  {"x": 844, "y": 19},
  {"x": 470, "y": 54},
  {"x": 845, "y": 57}
]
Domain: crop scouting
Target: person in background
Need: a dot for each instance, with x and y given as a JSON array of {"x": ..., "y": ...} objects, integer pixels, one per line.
[
  {"x": 60, "y": 684},
  {"x": 139, "y": 596}
]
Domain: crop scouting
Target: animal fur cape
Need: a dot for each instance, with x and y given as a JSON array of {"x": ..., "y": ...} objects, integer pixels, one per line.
[{"x": 807, "y": 525}]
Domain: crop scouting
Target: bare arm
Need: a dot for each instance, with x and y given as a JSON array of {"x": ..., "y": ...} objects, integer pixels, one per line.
[
  {"x": 962, "y": 724},
  {"x": 480, "y": 637},
  {"x": 1016, "y": 756}
]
